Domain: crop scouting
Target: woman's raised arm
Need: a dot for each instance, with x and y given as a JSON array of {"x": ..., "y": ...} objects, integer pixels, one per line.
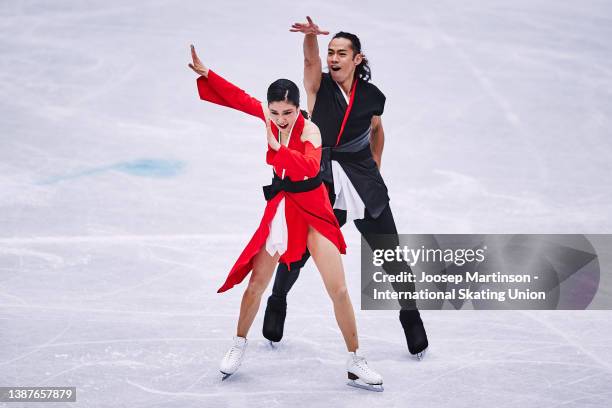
[{"x": 215, "y": 89}]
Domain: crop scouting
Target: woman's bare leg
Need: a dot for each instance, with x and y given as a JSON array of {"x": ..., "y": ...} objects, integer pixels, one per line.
[
  {"x": 263, "y": 267},
  {"x": 328, "y": 261}
]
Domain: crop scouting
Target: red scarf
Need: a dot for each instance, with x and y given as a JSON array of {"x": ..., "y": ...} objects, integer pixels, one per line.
[{"x": 348, "y": 109}]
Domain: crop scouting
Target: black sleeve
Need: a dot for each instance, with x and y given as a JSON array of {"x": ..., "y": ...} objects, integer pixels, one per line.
[
  {"x": 326, "y": 85},
  {"x": 378, "y": 101}
]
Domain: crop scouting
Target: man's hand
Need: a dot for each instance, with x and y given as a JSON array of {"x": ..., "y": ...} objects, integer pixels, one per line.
[
  {"x": 307, "y": 28},
  {"x": 197, "y": 65}
]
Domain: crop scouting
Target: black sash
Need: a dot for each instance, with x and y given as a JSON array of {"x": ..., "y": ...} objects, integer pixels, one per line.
[
  {"x": 331, "y": 153},
  {"x": 279, "y": 184}
]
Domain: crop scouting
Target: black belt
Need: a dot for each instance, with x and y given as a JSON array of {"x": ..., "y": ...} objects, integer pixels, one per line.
[
  {"x": 279, "y": 184},
  {"x": 329, "y": 154},
  {"x": 351, "y": 157}
]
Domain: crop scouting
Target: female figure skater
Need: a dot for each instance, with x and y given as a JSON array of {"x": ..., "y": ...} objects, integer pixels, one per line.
[{"x": 298, "y": 215}]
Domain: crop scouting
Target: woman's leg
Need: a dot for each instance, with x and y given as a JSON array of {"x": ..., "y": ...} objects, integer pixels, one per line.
[
  {"x": 263, "y": 267},
  {"x": 327, "y": 258}
]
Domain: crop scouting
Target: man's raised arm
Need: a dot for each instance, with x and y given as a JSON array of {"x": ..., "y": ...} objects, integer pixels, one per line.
[{"x": 312, "y": 60}]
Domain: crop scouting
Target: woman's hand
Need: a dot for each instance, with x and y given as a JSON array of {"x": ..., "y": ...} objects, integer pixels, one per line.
[
  {"x": 197, "y": 65},
  {"x": 272, "y": 142},
  {"x": 307, "y": 28}
]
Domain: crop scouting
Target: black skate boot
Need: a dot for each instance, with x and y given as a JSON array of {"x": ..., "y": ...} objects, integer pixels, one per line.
[
  {"x": 274, "y": 319},
  {"x": 416, "y": 337}
]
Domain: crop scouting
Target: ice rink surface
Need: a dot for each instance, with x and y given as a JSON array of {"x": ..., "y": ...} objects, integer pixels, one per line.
[{"x": 124, "y": 200}]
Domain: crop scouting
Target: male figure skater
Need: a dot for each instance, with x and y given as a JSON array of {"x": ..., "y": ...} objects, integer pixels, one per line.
[{"x": 347, "y": 108}]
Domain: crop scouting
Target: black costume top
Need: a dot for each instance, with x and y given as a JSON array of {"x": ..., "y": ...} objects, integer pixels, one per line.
[{"x": 353, "y": 151}]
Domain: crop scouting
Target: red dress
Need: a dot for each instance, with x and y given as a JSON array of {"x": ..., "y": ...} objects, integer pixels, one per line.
[{"x": 300, "y": 160}]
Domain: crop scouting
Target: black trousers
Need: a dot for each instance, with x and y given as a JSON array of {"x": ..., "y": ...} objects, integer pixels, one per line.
[{"x": 383, "y": 224}]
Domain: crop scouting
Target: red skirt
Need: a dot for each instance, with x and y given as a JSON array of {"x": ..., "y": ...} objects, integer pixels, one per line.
[{"x": 309, "y": 208}]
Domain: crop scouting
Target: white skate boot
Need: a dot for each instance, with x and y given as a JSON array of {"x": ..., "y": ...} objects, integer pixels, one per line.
[
  {"x": 233, "y": 358},
  {"x": 358, "y": 370}
]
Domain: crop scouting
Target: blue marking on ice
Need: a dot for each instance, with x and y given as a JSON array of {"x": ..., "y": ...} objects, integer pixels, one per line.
[
  {"x": 151, "y": 167},
  {"x": 156, "y": 168}
]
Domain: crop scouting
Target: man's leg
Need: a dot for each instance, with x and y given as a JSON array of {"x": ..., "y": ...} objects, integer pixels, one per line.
[
  {"x": 410, "y": 318},
  {"x": 276, "y": 310}
]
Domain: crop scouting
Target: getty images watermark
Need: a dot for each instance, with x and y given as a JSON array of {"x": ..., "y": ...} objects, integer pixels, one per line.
[{"x": 486, "y": 271}]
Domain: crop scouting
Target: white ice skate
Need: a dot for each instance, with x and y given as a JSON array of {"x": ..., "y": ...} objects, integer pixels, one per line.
[
  {"x": 233, "y": 358},
  {"x": 362, "y": 376}
]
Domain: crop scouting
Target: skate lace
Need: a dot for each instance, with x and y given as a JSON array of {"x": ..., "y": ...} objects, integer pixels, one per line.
[
  {"x": 234, "y": 350},
  {"x": 362, "y": 364}
]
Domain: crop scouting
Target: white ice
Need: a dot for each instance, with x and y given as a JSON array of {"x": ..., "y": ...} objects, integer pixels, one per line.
[{"x": 124, "y": 199}]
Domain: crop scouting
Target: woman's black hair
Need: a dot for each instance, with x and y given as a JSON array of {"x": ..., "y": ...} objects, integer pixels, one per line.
[
  {"x": 362, "y": 70},
  {"x": 284, "y": 90}
]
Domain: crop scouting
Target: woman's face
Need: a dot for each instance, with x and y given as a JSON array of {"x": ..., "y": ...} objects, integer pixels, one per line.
[
  {"x": 341, "y": 59},
  {"x": 283, "y": 114}
]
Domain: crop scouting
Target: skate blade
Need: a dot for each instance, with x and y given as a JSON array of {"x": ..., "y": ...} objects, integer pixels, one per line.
[
  {"x": 420, "y": 356},
  {"x": 272, "y": 344},
  {"x": 367, "y": 387},
  {"x": 225, "y": 376}
]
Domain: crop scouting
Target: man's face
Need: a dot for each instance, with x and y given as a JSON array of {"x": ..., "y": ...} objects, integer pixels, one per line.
[{"x": 341, "y": 59}]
